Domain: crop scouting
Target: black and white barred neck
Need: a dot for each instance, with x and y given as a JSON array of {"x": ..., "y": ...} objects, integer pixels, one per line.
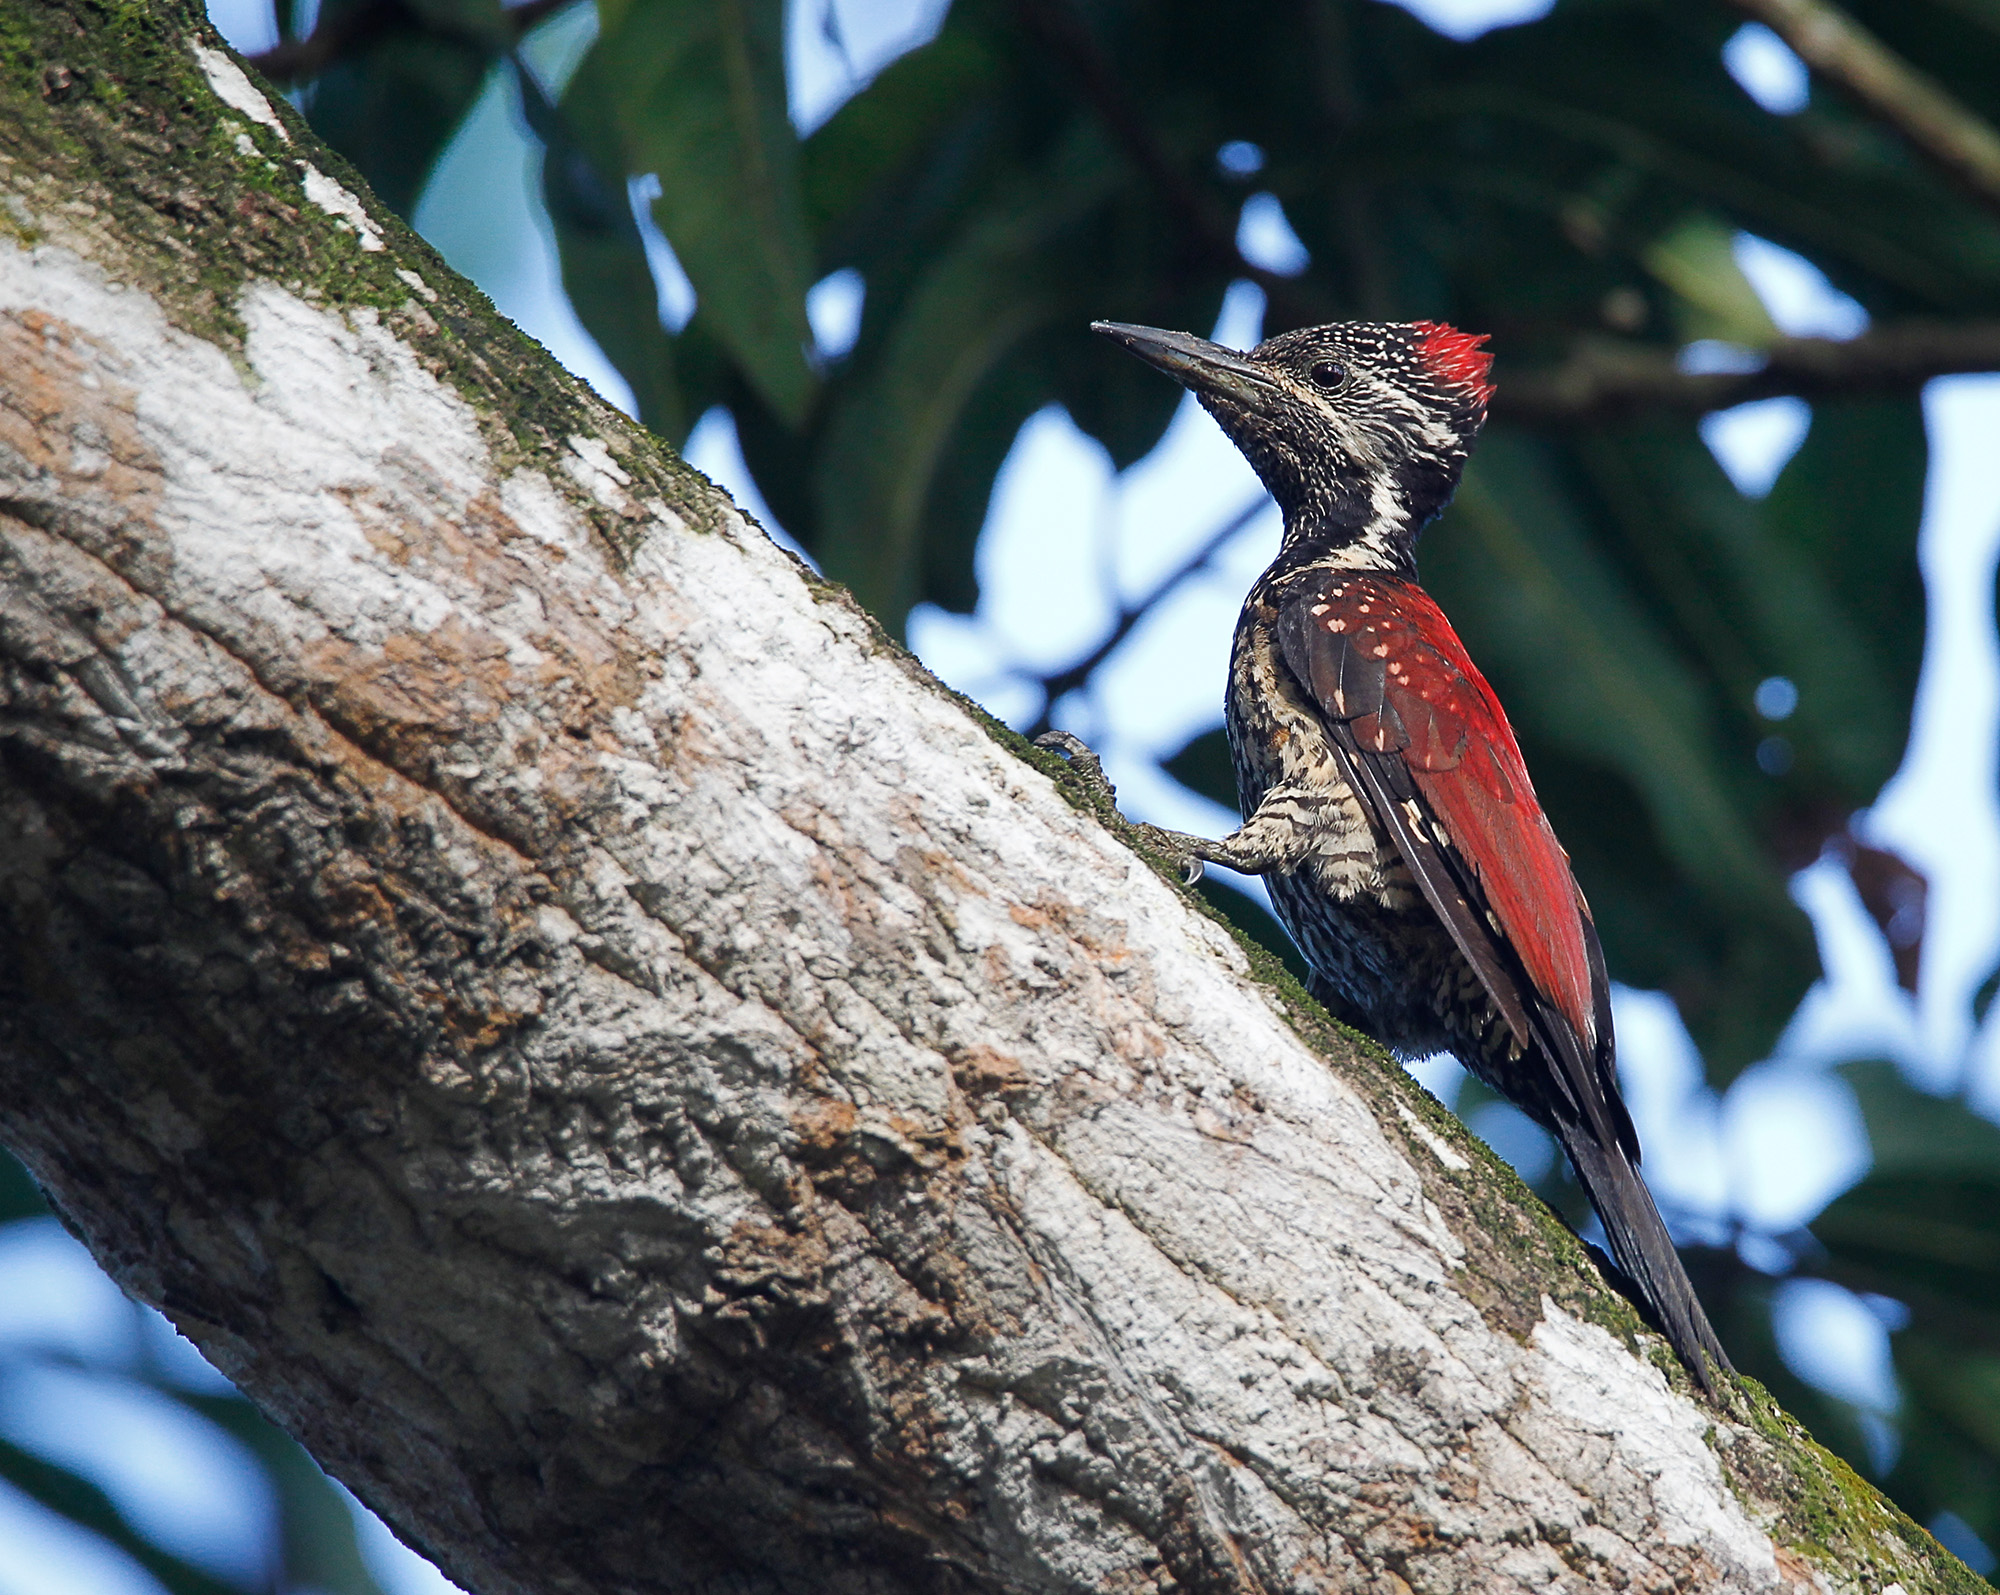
[{"x": 1361, "y": 433}]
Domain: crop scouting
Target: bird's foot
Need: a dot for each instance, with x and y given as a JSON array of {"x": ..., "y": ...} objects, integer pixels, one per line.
[
  {"x": 1086, "y": 764},
  {"x": 1177, "y": 845}
]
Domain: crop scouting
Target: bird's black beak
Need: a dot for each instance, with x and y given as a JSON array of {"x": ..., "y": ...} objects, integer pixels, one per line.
[{"x": 1203, "y": 368}]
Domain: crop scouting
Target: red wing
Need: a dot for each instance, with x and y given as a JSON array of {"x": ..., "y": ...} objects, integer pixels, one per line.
[{"x": 1436, "y": 759}]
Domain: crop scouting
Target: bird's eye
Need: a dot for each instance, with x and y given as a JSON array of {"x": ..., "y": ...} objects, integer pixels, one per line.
[{"x": 1328, "y": 375}]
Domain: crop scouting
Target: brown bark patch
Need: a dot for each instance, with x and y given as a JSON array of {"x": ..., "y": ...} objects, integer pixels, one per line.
[
  {"x": 73, "y": 437},
  {"x": 982, "y": 1071}
]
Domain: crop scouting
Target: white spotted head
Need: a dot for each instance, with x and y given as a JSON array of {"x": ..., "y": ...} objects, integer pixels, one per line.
[{"x": 1359, "y": 429}]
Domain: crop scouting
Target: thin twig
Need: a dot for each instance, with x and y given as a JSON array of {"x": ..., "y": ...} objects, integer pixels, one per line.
[
  {"x": 338, "y": 34},
  {"x": 1070, "y": 677},
  {"x": 1605, "y": 381},
  {"x": 1961, "y": 143},
  {"x": 349, "y": 30},
  {"x": 1207, "y": 225}
]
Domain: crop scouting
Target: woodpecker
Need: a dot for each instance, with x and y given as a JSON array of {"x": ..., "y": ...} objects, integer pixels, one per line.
[{"x": 1385, "y": 799}]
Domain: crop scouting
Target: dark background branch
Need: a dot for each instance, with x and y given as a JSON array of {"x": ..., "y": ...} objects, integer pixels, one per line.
[
  {"x": 349, "y": 30},
  {"x": 1070, "y": 677},
  {"x": 1605, "y": 381},
  {"x": 1962, "y": 144}
]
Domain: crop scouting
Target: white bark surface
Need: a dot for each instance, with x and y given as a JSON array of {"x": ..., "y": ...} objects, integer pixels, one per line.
[{"x": 659, "y": 1098}]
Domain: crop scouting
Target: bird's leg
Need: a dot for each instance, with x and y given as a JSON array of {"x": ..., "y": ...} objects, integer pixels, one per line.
[{"x": 1237, "y": 851}]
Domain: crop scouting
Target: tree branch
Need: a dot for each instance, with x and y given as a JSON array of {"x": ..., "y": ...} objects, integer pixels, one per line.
[
  {"x": 1605, "y": 381},
  {"x": 625, "y": 1067},
  {"x": 1208, "y": 227},
  {"x": 1960, "y": 143},
  {"x": 1072, "y": 676}
]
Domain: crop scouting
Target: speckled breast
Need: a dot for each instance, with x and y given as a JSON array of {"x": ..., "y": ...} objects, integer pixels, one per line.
[{"x": 1386, "y": 964}]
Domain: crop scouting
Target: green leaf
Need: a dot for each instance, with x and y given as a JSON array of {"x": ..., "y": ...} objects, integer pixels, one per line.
[
  {"x": 604, "y": 267},
  {"x": 1697, "y": 260},
  {"x": 20, "y": 1196},
  {"x": 1203, "y": 765},
  {"x": 958, "y": 133},
  {"x": 890, "y": 424},
  {"x": 961, "y": 487},
  {"x": 1640, "y": 92},
  {"x": 1934, "y": 1241},
  {"x": 1924, "y": 1224},
  {"x": 1914, "y": 1132},
  {"x": 697, "y": 88},
  {"x": 883, "y": 133},
  {"x": 72, "y": 1496},
  {"x": 393, "y": 105},
  {"x": 1849, "y": 505},
  {"x": 1950, "y": 1424},
  {"x": 1750, "y": 605},
  {"x": 321, "y": 1549}
]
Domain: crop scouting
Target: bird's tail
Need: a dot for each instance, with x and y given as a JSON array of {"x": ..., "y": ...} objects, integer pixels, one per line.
[{"x": 1641, "y": 1247}]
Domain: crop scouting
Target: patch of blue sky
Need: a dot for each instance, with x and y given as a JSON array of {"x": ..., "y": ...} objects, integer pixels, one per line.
[
  {"x": 1753, "y": 442},
  {"x": 1467, "y": 19},
  {"x": 1939, "y": 811},
  {"x": 833, "y": 311},
  {"x": 482, "y": 210},
  {"x": 834, "y": 49},
  {"x": 43, "y": 1554},
  {"x": 1265, "y": 238},
  {"x": 1766, "y": 68},
  {"x": 184, "y": 1483},
  {"x": 672, "y": 289}
]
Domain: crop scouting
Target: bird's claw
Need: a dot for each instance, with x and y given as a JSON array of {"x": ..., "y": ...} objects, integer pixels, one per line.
[
  {"x": 1176, "y": 847},
  {"x": 1091, "y": 771},
  {"x": 1081, "y": 759}
]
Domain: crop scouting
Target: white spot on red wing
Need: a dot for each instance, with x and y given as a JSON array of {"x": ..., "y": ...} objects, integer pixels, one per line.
[
  {"x": 1380, "y": 651},
  {"x": 1320, "y": 609}
]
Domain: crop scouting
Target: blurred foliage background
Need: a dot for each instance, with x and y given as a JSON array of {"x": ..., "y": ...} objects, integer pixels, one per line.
[
  {"x": 74, "y": 1364},
  {"x": 1709, "y": 685}
]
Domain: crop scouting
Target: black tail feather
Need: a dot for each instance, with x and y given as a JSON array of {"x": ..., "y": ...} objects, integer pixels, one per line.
[{"x": 1642, "y": 1248}]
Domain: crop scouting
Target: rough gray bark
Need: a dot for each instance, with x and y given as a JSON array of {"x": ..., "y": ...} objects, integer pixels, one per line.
[{"x": 649, "y": 1088}]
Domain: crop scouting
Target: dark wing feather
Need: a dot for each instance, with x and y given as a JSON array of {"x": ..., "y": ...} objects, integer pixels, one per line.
[
  {"x": 1431, "y": 753},
  {"x": 1391, "y": 796},
  {"x": 1606, "y": 1059}
]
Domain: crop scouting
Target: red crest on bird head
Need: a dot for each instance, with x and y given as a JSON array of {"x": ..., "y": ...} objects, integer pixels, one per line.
[{"x": 1455, "y": 357}]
